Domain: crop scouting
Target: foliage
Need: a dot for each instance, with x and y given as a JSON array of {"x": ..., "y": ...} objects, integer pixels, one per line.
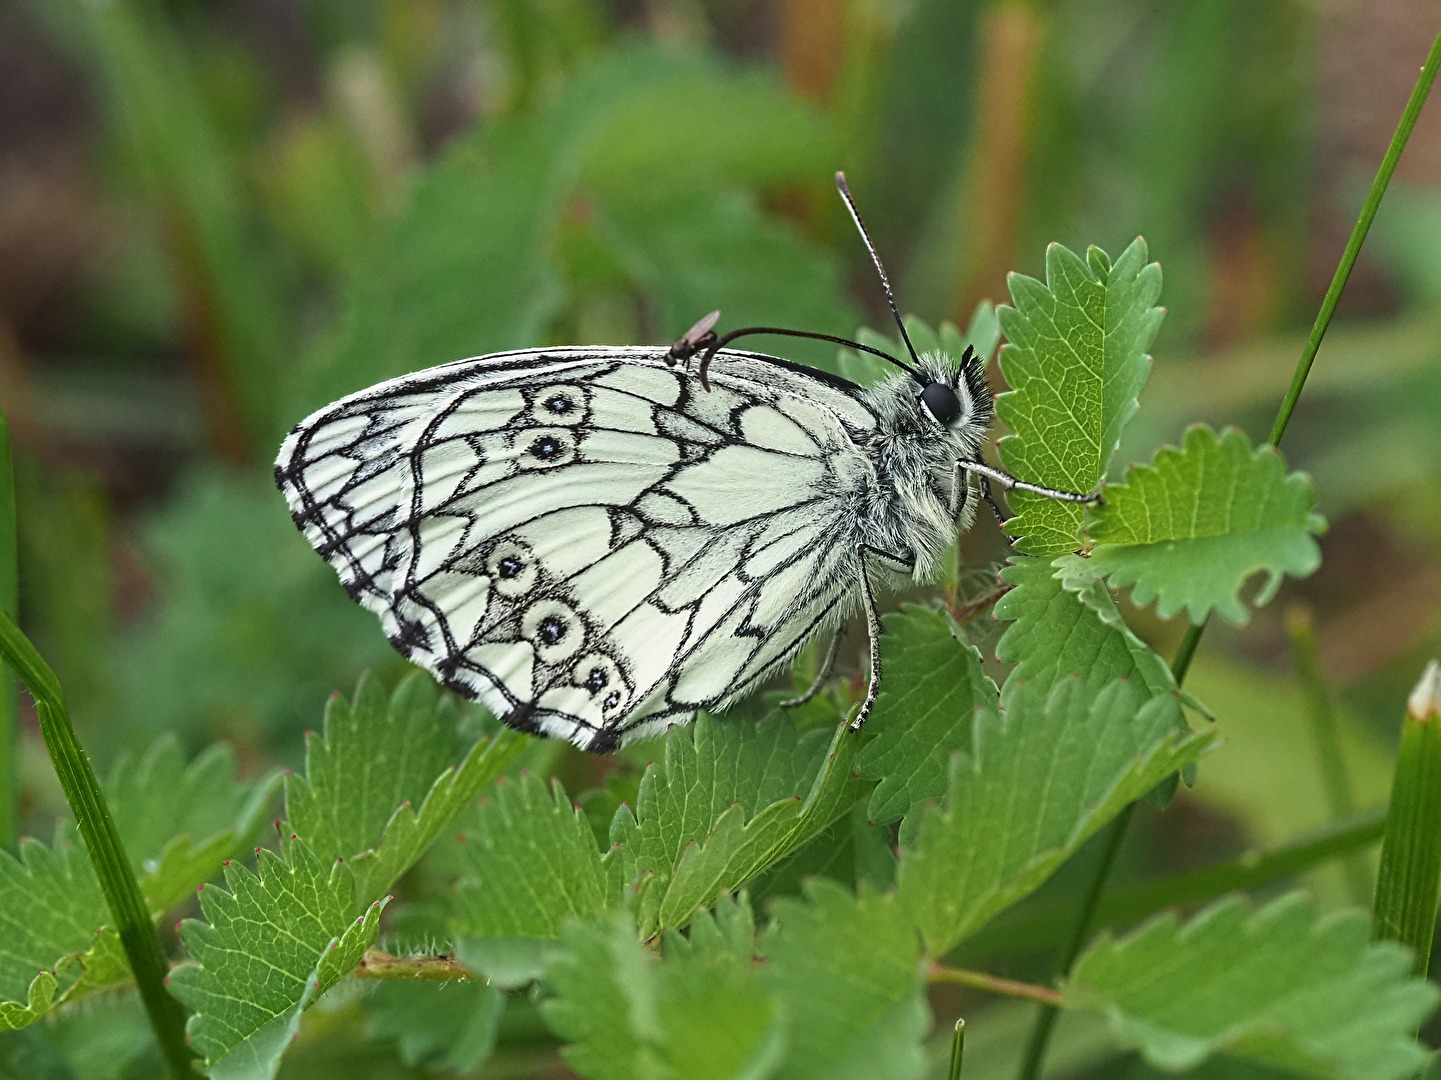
[
  {"x": 1076, "y": 360},
  {"x": 1191, "y": 528},
  {"x": 765, "y": 895},
  {"x": 1279, "y": 986}
]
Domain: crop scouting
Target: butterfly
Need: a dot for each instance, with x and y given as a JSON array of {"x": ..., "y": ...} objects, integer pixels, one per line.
[{"x": 596, "y": 542}]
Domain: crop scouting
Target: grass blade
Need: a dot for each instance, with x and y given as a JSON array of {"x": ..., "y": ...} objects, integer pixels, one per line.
[
  {"x": 102, "y": 842},
  {"x": 1408, "y": 885}
]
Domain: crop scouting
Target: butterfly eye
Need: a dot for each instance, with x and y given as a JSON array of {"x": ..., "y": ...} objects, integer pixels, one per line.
[{"x": 941, "y": 402}]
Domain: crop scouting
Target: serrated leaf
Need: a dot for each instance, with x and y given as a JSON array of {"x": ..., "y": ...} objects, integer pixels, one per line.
[
  {"x": 729, "y": 801},
  {"x": 51, "y": 911},
  {"x": 273, "y": 940},
  {"x": 1057, "y": 632},
  {"x": 180, "y": 821},
  {"x": 698, "y": 1012},
  {"x": 932, "y": 689},
  {"x": 1075, "y": 359},
  {"x": 847, "y": 971},
  {"x": 377, "y": 760},
  {"x": 1279, "y": 986},
  {"x": 531, "y": 862},
  {"x": 1190, "y": 529},
  {"x": 1041, "y": 779}
]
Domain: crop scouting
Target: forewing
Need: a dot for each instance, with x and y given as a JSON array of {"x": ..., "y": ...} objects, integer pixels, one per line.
[{"x": 584, "y": 539}]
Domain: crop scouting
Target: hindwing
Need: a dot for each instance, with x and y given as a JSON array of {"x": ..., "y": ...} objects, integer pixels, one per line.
[{"x": 584, "y": 539}]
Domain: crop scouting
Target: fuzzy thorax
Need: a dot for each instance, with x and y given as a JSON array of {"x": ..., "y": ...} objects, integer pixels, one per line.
[{"x": 908, "y": 510}]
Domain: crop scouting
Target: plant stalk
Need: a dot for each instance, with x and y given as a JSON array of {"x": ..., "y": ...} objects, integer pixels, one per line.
[
  {"x": 1040, "y": 1037},
  {"x": 1031, "y": 930},
  {"x": 102, "y": 843},
  {"x": 1041, "y": 1033},
  {"x": 994, "y": 984}
]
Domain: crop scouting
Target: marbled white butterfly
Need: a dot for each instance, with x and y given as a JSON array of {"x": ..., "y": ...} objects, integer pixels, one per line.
[{"x": 595, "y": 542}]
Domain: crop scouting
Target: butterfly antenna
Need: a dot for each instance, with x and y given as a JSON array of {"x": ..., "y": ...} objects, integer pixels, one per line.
[{"x": 875, "y": 258}]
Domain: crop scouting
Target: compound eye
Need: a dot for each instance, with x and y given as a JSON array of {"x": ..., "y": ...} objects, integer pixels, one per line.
[{"x": 941, "y": 402}]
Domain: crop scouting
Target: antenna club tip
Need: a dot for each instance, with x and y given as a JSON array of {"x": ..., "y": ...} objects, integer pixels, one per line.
[{"x": 840, "y": 179}]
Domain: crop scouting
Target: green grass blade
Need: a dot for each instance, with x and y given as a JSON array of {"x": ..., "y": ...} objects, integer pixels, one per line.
[
  {"x": 1408, "y": 885},
  {"x": 1418, "y": 97},
  {"x": 102, "y": 841}
]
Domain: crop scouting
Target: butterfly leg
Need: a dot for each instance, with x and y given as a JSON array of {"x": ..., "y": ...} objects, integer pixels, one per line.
[
  {"x": 822, "y": 675},
  {"x": 990, "y": 497},
  {"x": 960, "y": 490},
  {"x": 873, "y": 624}
]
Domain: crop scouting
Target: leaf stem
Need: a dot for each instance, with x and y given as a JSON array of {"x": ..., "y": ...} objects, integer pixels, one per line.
[
  {"x": 1040, "y": 1036},
  {"x": 102, "y": 843},
  {"x": 1254, "y": 869},
  {"x": 1041, "y": 1033},
  {"x": 968, "y": 611},
  {"x": 994, "y": 984},
  {"x": 9, "y": 695}
]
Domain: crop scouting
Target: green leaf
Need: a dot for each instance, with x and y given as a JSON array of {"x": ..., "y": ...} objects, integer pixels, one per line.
[
  {"x": 276, "y": 940},
  {"x": 377, "y": 759},
  {"x": 531, "y": 862},
  {"x": 450, "y": 1026},
  {"x": 933, "y": 686},
  {"x": 1058, "y": 632},
  {"x": 700, "y": 1012},
  {"x": 847, "y": 971},
  {"x": 1042, "y": 778},
  {"x": 53, "y": 942},
  {"x": 180, "y": 822},
  {"x": 1076, "y": 360},
  {"x": 1278, "y": 986},
  {"x": 1192, "y": 527},
  {"x": 729, "y": 801}
]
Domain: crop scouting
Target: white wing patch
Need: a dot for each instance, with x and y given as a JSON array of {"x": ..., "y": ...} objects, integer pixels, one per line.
[{"x": 584, "y": 539}]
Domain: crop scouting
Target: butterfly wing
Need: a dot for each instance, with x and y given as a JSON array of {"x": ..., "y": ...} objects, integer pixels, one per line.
[{"x": 584, "y": 539}]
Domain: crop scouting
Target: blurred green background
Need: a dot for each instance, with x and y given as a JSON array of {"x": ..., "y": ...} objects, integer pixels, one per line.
[{"x": 216, "y": 215}]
